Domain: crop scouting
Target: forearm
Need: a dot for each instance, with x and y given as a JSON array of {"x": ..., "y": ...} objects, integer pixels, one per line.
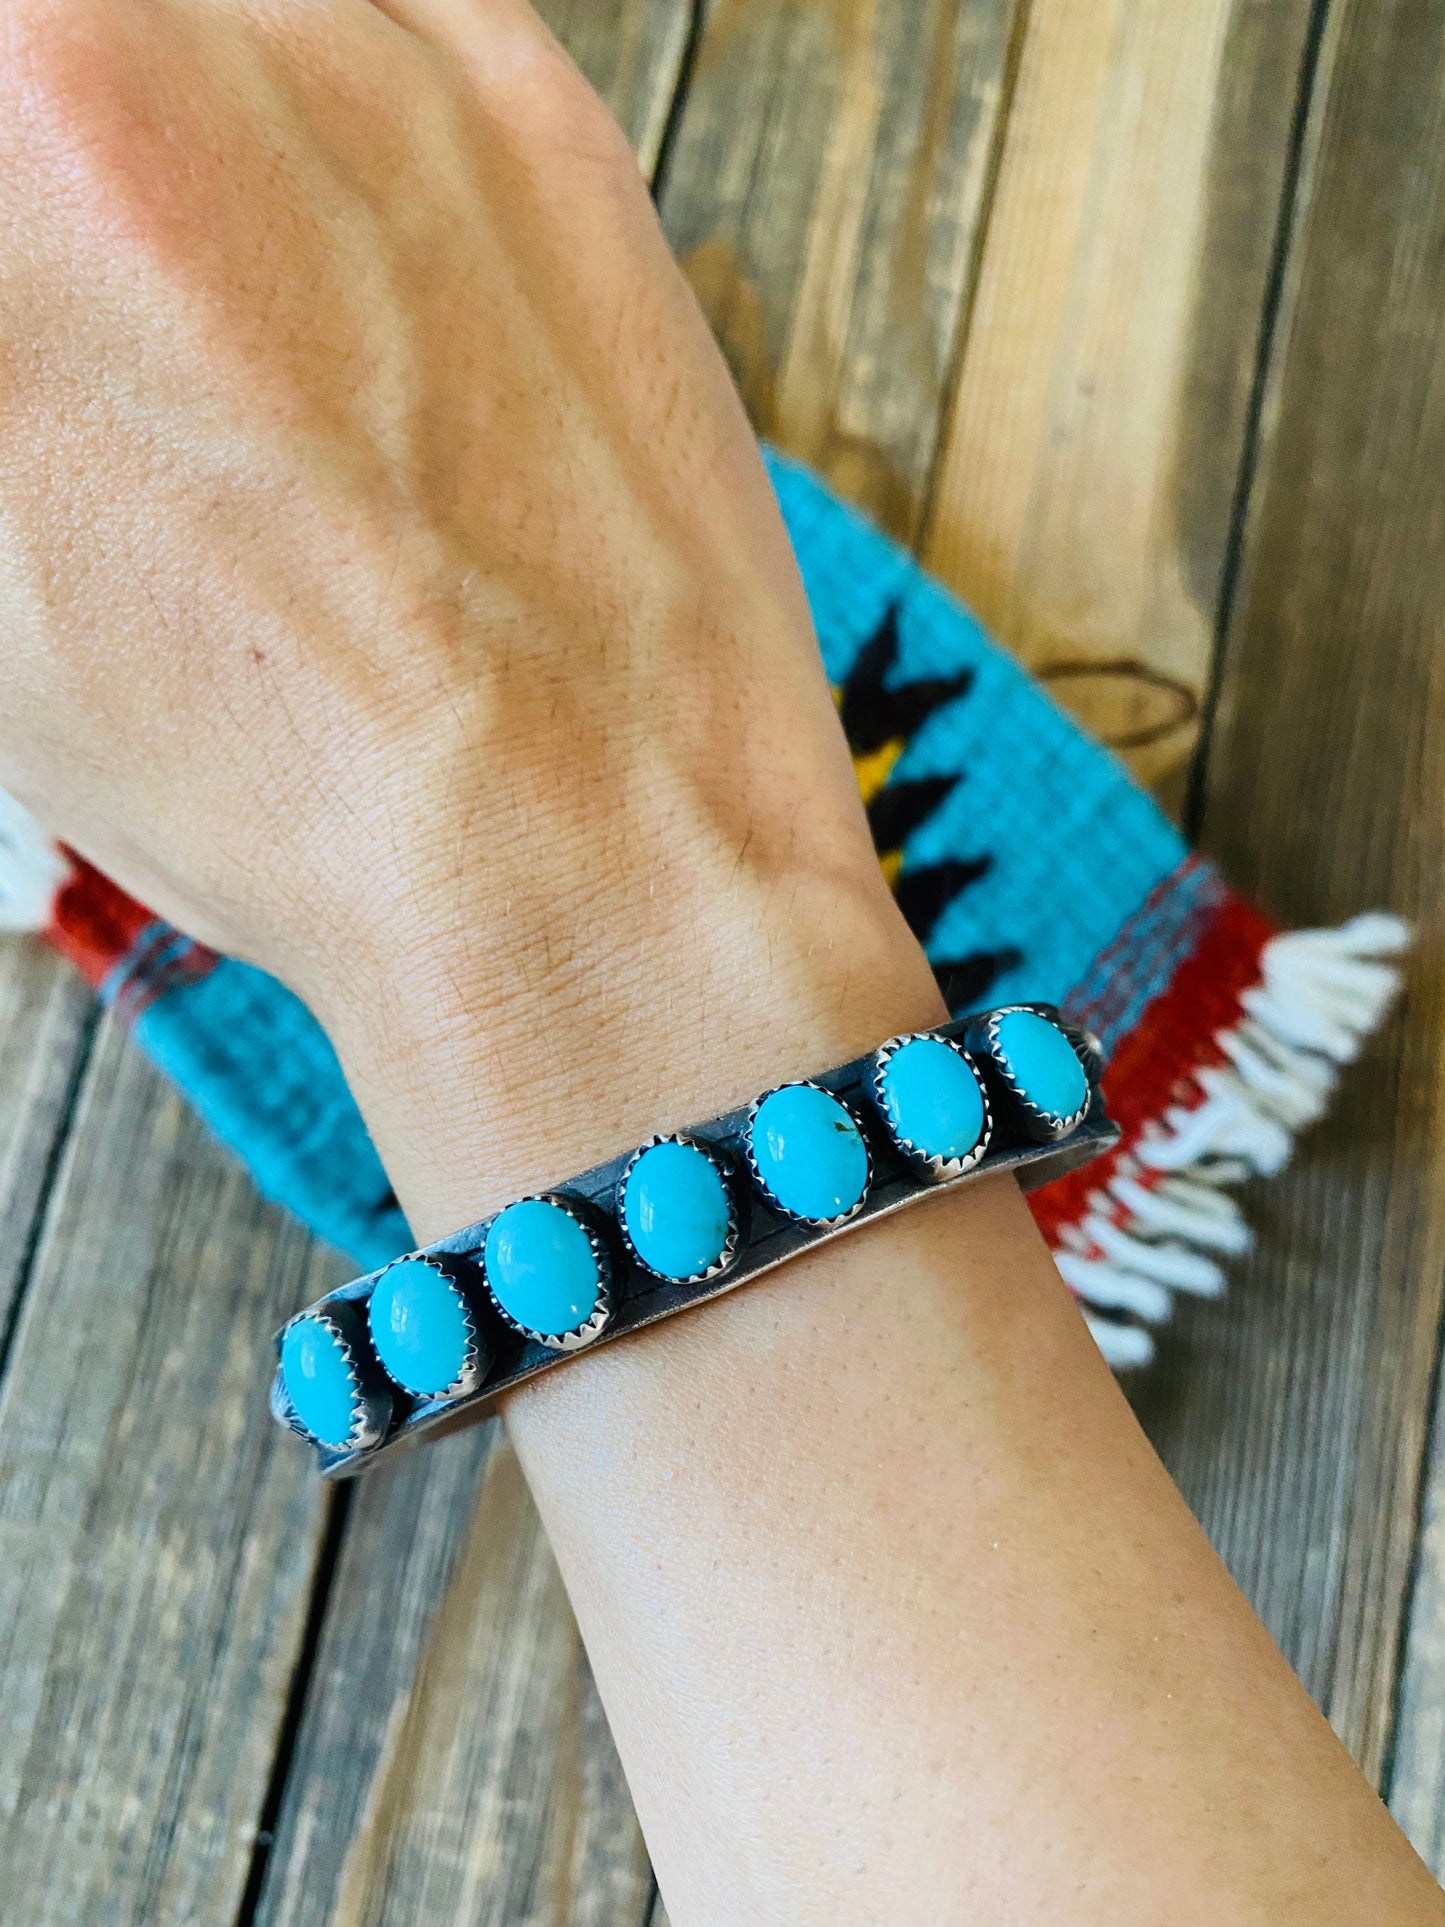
[
  {"x": 897, "y": 1617},
  {"x": 894, "y": 1611}
]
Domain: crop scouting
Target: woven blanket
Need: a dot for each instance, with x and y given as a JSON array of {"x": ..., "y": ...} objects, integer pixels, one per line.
[{"x": 1023, "y": 856}]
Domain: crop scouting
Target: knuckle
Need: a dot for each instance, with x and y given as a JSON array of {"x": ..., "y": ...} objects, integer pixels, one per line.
[{"x": 561, "y": 109}]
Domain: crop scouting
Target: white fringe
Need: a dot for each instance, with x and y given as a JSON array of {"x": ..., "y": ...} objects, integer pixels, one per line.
[
  {"x": 32, "y": 869},
  {"x": 1163, "y": 1221}
]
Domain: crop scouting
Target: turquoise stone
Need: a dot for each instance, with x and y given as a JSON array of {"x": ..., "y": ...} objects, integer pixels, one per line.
[
  {"x": 316, "y": 1372},
  {"x": 418, "y": 1327},
  {"x": 1042, "y": 1062},
  {"x": 809, "y": 1152},
  {"x": 932, "y": 1098},
  {"x": 541, "y": 1267},
  {"x": 675, "y": 1209}
]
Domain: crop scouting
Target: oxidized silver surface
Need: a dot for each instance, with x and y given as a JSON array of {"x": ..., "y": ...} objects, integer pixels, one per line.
[{"x": 634, "y": 1298}]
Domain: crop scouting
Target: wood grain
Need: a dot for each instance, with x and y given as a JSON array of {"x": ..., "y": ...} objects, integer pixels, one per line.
[
  {"x": 1415, "y": 1770},
  {"x": 825, "y": 195},
  {"x": 45, "y": 1027},
  {"x": 157, "y": 1532},
  {"x": 1296, "y": 1422},
  {"x": 1083, "y": 498},
  {"x": 453, "y": 1765}
]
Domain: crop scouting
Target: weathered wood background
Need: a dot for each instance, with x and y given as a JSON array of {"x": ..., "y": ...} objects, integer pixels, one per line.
[{"x": 1130, "y": 317}]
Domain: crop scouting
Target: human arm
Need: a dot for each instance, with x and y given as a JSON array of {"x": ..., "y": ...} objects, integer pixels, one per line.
[{"x": 393, "y": 595}]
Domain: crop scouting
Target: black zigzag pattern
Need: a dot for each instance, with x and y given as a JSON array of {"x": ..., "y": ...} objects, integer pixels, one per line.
[
  {"x": 925, "y": 893},
  {"x": 875, "y": 713},
  {"x": 966, "y": 981},
  {"x": 898, "y": 809}
]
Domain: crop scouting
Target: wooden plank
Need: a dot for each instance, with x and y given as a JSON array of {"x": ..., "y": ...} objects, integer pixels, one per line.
[
  {"x": 157, "y": 1532},
  {"x": 1415, "y": 1776},
  {"x": 825, "y": 194},
  {"x": 1083, "y": 497},
  {"x": 1295, "y": 1419},
  {"x": 1393, "y": 64},
  {"x": 453, "y": 1765},
  {"x": 45, "y": 1018}
]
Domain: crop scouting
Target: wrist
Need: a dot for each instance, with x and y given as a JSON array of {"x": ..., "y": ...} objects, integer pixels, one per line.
[{"x": 482, "y": 1080}]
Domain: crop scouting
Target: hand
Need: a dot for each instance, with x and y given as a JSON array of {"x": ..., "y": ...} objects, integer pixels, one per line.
[{"x": 392, "y": 591}]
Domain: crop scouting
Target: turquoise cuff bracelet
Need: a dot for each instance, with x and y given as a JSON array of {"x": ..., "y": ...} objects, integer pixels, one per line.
[{"x": 431, "y": 1340}]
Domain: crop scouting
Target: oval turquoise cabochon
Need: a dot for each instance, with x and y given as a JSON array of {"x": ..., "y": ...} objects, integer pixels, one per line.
[
  {"x": 316, "y": 1372},
  {"x": 419, "y": 1327},
  {"x": 809, "y": 1152},
  {"x": 675, "y": 1209},
  {"x": 541, "y": 1267},
  {"x": 932, "y": 1098},
  {"x": 1043, "y": 1062}
]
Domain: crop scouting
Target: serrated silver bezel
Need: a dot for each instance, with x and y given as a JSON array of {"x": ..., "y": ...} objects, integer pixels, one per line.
[
  {"x": 593, "y": 1326},
  {"x": 1092, "y": 1059},
  {"x": 938, "y": 1170},
  {"x": 474, "y": 1362},
  {"x": 730, "y": 1243},
  {"x": 794, "y": 1084},
  {"x": 371, "y": 1411},
  {"x": 1059, "y": 1126}
]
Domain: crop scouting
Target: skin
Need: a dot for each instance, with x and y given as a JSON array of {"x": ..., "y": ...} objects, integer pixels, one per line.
[{"x": 391, "y": 594}]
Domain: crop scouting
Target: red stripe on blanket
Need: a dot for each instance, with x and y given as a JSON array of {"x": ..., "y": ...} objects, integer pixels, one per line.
[
  {"x": 119, "y": 946},
  {"x": 1152, "y": 1067},
  {"x": 94, "y": 923}
]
